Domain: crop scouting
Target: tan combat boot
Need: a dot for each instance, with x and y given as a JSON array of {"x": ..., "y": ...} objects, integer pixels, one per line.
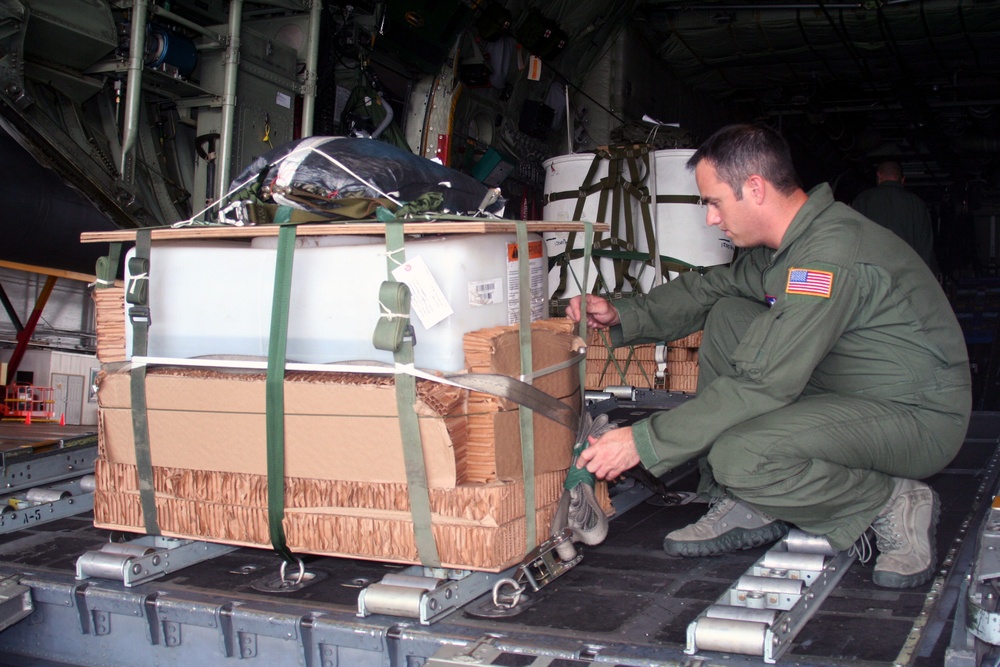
[{"x": 729, "y": 525}]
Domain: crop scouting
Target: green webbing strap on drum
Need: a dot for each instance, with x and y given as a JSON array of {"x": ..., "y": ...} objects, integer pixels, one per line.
[
  {"x": 640, "y": 192},
  {"x": 668, "y": 264},
  {"x": 394, "y": 333},
  {"x": 678, "y": 199},
  {"x": 137, "y": 294},
  {"x": 650, "y": 231},
  {"x": 274, "y": 387},
  {"x": 582, "y": 193},
  {"x": 526, "y": 415}
]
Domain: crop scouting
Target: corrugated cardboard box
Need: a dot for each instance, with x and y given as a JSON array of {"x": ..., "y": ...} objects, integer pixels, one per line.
[
  {"x": 494, "y": 442},
  {"x": 336, "y": 428},
  {"x": 345, "y": 476}
]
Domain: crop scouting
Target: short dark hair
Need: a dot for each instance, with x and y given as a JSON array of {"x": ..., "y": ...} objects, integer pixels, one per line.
[
  {"x": 739, "y": 151},
  {"x": 890, "y": 170}
]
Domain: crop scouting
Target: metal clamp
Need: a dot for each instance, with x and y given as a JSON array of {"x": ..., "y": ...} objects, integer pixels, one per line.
[
  {"x": 139, "y": 314},
  {"x": 503, "y": 600},
  {"x": 543, "y": 565}
]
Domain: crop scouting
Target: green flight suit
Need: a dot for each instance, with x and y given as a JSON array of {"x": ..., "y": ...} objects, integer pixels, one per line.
[{"x": 830, "y": 365}]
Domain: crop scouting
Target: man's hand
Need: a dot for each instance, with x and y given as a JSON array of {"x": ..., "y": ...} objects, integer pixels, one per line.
[
  {"x": 611, "y": 454},
  {"x": 600, "y": 313}
]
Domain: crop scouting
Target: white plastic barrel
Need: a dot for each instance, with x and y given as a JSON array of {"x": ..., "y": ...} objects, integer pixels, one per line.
[
  {"x": 214, "y": 297},
  {"x": 681, "y": 232},
  {"x": 568, "y": 173}
]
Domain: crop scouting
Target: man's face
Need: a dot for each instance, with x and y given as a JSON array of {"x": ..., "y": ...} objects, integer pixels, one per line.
[{"x": 737, "y": 218}]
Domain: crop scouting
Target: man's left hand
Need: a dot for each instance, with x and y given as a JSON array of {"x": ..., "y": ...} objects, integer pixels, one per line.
[{"x": 611, "y": 454}]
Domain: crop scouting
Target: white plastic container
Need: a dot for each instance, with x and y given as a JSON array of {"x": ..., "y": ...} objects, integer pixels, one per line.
[
  {"x": 680, "y": 228},
  {"x": 214, "y": 298},
  {"x": 568, "y": 173}
]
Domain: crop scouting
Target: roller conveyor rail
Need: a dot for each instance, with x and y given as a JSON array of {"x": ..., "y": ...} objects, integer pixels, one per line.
[
  {"x": 145, "y": 558},
  {"x": 764, "y": 610}
]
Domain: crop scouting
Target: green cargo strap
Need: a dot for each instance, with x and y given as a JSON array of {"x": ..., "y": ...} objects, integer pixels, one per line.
[
  {"x": 525, "y": 414},
  {"x": 638, "y": 190},
  {"x": 668, "y": 264},
  {"x": 587, "y": 187},
  {"x": 137, "y": 294},
  {"x": 617, "y": 206},
  {"x": 406, "y": 396},
  {"x": 650, "y": 231},
  {"x": 394, "y": 322},
  {"x": 577, "y": 475},
  {"x": 588, "y": 242},
  {"x": 107, "y": 267},
  {"x": 274, "y": 387}
]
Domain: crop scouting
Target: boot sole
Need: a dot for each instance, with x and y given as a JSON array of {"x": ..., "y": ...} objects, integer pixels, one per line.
[
  {"x": 897, "y": 580},
  {"x": 733, "y": 540}
]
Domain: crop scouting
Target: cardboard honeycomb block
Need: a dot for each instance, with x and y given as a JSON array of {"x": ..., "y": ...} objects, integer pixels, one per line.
[{"x": 475, "y": 526}]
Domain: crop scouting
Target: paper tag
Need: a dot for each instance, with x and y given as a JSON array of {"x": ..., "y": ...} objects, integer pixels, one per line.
[
  {"x": 534, "y": 68},
  {"x": 426, "y": 298}
]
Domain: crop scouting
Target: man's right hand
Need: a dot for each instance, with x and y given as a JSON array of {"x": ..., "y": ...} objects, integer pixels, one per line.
[{"x": 600, "y": 313}]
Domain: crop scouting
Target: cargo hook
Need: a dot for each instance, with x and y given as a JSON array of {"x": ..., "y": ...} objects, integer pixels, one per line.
[{"x": 302, "y": 572}]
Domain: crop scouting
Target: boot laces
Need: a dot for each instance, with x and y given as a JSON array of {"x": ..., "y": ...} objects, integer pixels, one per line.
[
  {"x": 887, "y": 537},
  {"x": 718, "y": 508},
  {"x": 862, "y": 548},
  {"x": 887, "y": 533}
]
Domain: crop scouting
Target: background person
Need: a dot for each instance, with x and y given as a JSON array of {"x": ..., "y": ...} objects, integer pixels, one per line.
[{"x": 899, "y": 210}]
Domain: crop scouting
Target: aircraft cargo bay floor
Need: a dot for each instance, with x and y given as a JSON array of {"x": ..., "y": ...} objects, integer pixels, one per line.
[{"x": 626, "y": 598}]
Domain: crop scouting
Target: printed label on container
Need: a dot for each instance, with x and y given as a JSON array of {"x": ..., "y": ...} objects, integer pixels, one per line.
[
  {"x": 486, "y": 292},
  {"x": 426, "y": 298},
  {"x": 537, "y": 270}
]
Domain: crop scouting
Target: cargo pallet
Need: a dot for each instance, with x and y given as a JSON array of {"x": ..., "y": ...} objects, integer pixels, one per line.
[{"x": 626, "y": 603}]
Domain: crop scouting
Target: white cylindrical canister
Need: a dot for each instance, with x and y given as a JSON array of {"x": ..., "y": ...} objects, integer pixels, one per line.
[
  {"x": 679, "y": 219},
  {"x": 565, "y": 176},
  {"x": 215, "y": 297}
]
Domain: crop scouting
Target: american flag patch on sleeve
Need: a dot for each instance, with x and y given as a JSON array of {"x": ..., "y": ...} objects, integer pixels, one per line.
[{"x": 809, "y": 281}]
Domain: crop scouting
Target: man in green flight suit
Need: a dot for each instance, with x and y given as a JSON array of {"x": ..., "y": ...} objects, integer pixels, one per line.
[{"x": 833, "y": 374}]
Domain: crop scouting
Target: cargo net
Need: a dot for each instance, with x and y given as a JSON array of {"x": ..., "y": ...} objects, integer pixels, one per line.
[{"x": 614, "y": 191}]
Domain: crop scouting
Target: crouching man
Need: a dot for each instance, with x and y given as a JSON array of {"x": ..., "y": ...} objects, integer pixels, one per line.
[{"x": 833, "y": 374}]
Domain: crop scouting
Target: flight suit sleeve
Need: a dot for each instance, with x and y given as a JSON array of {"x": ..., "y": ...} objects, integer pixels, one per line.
[
  {"x": 679, "y": 307},
  {"x": 771, "y": 367}
]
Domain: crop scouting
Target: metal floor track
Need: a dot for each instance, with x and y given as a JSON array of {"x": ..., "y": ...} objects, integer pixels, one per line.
[{"x": 627, "y": 603}]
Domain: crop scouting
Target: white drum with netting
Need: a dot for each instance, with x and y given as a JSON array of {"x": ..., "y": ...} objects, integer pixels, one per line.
[
  {"x": 567, "y": 179},
  {"x": 683, "y": 239}
]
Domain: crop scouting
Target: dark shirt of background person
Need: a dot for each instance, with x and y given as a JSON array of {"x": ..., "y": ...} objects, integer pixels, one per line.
[{"x": 895, "y": 208}]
